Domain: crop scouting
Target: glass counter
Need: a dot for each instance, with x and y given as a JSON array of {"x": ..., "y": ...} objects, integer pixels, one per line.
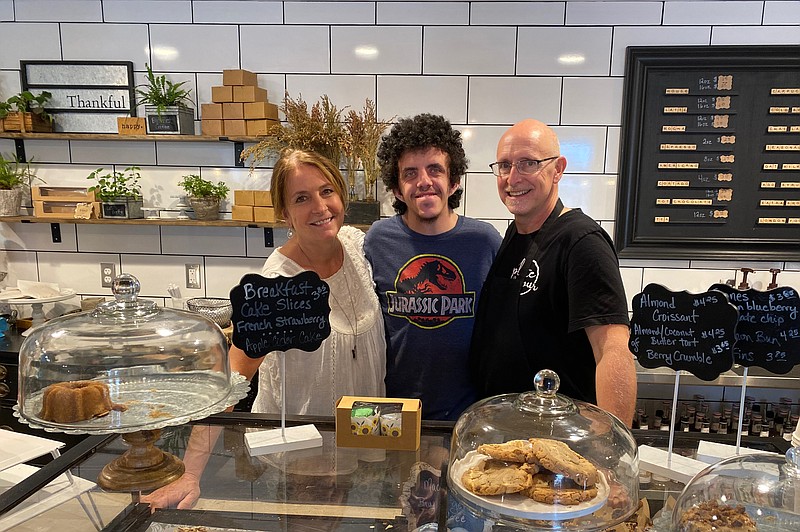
[{"x": 308, "y": 490}]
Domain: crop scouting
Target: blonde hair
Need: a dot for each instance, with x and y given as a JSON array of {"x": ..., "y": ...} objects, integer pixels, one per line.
[{"x": 289, "y": 162}]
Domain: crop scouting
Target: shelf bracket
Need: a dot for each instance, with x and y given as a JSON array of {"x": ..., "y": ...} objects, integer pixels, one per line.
[
  {"x": 55, "y": 232},
  {"x": 238, "y": 148},
  {"x": 19, "y": 146},
  {"x": 269, "y": 238}
]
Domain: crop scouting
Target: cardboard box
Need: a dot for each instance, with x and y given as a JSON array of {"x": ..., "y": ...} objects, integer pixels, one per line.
[
  {"x": 264, "y": 214},
  {"x": 233, "y": 111},
  {"x": 249, "y": 93},
  {"x": 235, "y": 127},
  {"x": 260, "y": 127},
  {"x": 212, "y": 111},
  {"x": 242, "y": 213},
  {"x": 214, "y": 128},
  {"x": 239, "y": 77},
  {"x": 76, "y": 194},
  {"x": 244, "y": 197},
  {"x": 262, "y": 198},
  {"x": 131, "y": 125},
  {"x": 221, "y": 94},
  {"x": 254, "y": 110},
  {"x": 411, "y": 417}
]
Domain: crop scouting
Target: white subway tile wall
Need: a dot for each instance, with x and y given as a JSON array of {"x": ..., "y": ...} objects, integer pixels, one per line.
[{"x": 483, "y": 65}]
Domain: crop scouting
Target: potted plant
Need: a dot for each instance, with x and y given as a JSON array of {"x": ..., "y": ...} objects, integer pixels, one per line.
[
  {"x": 14, "y": 177},
  {"x": 166, "y": 105},
  {"x": 319, "y": 129},
  {"x": 364, "y": 132},
  {"x": 29, "y": 114},
  {"x": 119, "y": 192},
  {"x": 204, "y": 196}
]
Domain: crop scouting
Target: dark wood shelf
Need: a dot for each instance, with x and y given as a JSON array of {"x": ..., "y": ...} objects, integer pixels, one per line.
[{"x": 116, "y": 136}]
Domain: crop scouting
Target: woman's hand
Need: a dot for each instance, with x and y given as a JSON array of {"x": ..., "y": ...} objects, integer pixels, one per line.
[{"x": 181, "y": 494}]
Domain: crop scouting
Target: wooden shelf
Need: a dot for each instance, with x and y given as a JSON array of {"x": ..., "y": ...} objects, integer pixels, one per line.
[
  {"x": 151, "y": 221},
  {"x": 116, "y": 136},
  {"x": 137, "y": 221}
]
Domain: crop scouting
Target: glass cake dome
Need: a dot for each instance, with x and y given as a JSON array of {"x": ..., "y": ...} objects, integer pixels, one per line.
[
  {"x": 745, "y": 493},
  {"x": 158, "y": 366},
  {"x": 583, "y": 462}
]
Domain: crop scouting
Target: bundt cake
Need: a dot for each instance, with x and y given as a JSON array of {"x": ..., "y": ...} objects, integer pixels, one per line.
[{"x": 68, "y": 402}]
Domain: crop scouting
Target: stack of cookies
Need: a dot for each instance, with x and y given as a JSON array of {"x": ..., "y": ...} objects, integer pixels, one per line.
[{"x": 545, "y": 470}]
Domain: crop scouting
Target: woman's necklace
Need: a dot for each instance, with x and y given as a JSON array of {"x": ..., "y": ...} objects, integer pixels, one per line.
[{"x": 353, "y": 327}]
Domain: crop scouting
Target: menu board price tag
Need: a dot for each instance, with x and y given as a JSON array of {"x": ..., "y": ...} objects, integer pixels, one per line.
[
  {"x": 768, "y": 331},
  {"x": 280, "y": 313},
  {"x": 683, "y": 331}
]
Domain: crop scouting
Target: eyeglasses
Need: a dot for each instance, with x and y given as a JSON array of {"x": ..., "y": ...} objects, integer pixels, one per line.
[{"x": 524, "y": 166}]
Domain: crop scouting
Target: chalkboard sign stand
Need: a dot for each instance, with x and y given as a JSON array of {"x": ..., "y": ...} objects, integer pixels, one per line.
[
  {"x": 277, "y": 314},
  {"x": 684, "y": 332},
  {"x": 666, "y": 463},
  {"x": 282, "y": 439}
]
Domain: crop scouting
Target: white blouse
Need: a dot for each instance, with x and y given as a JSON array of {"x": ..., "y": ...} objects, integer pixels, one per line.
[{"x": 316, "y": 380}]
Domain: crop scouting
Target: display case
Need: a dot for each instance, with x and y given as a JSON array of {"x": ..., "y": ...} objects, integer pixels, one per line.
[{"x": 397, "y": 490}]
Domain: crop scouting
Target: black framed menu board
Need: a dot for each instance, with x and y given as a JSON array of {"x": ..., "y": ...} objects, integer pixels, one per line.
[{"x": 710, "y": 153}]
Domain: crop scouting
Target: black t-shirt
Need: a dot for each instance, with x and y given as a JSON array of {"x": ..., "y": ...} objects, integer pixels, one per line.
[{"x": 573, "y": 283}]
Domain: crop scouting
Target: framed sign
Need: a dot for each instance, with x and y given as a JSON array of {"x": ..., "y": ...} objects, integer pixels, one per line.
[
  {"x": 88, "y": 96},
  {"x": 710, "y": 153}
]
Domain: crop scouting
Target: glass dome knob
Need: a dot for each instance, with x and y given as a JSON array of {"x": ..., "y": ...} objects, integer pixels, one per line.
[
  {"x": 546, "y": 382},
  {"x": 125, "y": 287}
]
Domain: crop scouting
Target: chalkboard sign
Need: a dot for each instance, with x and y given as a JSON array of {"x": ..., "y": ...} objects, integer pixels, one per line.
[
  {"x": 679, "y": 330},
  {"x": 768, "y": 332},
  {"x": 280, "y": 313},
  {"x": 709, "y": 153},
  {"x": 164, "y": 123}
]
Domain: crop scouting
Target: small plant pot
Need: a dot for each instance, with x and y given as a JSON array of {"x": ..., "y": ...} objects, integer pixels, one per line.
[
  {"x": 123, "y": 207},
  {"x": 362, "y": 212},
  {"x": 205, "y": 208},
  {"x": 27, "y": 122},
  {"x": 174, "y": 120},
  {"x": 10, "y": 201}
]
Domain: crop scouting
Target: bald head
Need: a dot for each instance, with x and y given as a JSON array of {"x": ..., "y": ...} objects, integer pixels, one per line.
[
  {"x": 530, "y": 193},
  {"x": 531, "y": 130}
]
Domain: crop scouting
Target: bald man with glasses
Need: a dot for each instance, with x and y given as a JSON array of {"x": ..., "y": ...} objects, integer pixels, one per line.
[{"x": 554, "y": 296}]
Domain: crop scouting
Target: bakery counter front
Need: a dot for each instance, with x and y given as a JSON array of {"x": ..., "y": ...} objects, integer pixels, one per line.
[{"x": 324, "y": 488}]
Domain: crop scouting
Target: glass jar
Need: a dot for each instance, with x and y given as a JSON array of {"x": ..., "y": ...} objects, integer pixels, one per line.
[
  {"x": 159, "y": 367},
  {"x": 554, "y": 422}
]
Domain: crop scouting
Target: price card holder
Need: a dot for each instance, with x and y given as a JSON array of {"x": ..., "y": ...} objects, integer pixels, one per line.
[
  {"x": 767, "y": 333},
  {"x": 279, "y": 314},
  {"x": 685, "y": 332}
]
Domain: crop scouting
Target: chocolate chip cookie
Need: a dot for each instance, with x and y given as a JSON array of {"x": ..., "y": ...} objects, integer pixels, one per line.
[
  {"x": 559, "y": 458},
  {"x": 520, "y": 451},
  {"x": 550, "y": 488},
  {"x": 496, "y": 477}
]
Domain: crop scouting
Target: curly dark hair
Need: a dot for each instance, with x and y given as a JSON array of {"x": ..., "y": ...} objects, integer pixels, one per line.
[{"x": 418, "y": 133}]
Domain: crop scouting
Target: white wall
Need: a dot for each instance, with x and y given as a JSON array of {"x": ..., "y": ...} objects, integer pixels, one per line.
[{"x": 484, "y": 65}]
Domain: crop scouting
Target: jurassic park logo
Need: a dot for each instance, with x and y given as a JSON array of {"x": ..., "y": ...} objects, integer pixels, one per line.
[{"x": 430, "y": 292}]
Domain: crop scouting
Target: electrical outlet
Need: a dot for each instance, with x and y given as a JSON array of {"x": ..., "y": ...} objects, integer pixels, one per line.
[
  {"x": 193, "y": 276},
  {"x": 108, "y": 270}
]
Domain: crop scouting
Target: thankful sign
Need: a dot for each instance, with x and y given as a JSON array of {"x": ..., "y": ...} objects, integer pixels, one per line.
[{"x": 280, "y": 313}]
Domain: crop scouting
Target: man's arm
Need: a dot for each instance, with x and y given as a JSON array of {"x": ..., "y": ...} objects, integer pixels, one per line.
[{"x": 616, "y": 372}]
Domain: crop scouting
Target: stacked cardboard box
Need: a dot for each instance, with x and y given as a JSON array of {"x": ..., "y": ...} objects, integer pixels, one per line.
[
  {"x": 253, "y": 206},
  {"x": 239, "y": 108}
]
